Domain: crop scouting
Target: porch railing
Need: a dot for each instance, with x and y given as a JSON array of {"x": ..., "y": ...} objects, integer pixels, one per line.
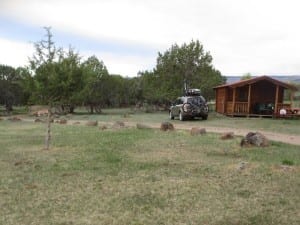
[
  {"x": 239, "y": 107},
  {"x": 242, "y": 107}
]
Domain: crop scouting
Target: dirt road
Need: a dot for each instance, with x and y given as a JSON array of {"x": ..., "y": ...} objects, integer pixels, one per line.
[{"x": 285, "y": 138}]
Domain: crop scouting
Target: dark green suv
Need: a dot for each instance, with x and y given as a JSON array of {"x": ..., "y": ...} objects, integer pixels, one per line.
[{"x": 189, "y": 106}]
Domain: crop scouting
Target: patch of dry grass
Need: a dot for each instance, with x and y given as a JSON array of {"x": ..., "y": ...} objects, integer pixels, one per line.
[{"x": 132, "y": 176}]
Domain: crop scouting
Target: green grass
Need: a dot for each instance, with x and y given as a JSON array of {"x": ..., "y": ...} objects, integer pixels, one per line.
[{"x": 130, "y": 176}]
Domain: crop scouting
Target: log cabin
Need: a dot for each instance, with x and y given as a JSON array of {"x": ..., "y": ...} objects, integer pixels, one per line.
[{"x": 258, "y": 96}]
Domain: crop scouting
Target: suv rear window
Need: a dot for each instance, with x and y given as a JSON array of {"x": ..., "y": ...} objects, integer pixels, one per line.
[{"x": 197, "y": 100}]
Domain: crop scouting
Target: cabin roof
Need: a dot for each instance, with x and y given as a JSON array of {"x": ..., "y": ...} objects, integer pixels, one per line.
[{"x": 255, "y": 80}]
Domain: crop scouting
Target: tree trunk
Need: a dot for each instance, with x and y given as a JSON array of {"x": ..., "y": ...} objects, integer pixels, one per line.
[
  {"x": 48, "y": 130},
  {"x": 8, "y": 107},
  {"x": 92, "y": 109},
  {"x": 72, "y": 108}
]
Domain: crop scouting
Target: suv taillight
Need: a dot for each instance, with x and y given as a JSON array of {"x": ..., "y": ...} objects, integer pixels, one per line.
[
  {"x": 186, "y": 107},
  {"x": 205, "y": 108}
]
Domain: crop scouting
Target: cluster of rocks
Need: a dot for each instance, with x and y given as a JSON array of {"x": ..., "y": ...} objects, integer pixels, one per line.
[{"x": 251, "y": 139}]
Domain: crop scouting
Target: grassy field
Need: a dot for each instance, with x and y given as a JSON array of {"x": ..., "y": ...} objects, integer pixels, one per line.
[{"x": 131, "y": 176}]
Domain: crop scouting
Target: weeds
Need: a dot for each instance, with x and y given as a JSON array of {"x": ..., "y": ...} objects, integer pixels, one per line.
[{"x": 287, "y": 162}]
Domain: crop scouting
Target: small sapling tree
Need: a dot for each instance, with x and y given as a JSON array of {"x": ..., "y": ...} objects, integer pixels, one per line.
[{"x": 42, "y": 64}]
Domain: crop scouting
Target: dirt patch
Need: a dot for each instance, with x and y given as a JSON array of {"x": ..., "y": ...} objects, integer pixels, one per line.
[{"x": 285, "y": 168}]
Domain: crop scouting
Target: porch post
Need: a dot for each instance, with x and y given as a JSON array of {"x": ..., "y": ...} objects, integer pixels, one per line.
[
  {"x": 233, "y": 100},
  {"x": 276, "y": 99},
  {"x": 292, "y": 97},
  {"x": 249, "y": 99}
]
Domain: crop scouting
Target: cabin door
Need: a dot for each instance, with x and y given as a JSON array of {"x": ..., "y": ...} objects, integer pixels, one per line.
[{"x": 221, "y": 95}]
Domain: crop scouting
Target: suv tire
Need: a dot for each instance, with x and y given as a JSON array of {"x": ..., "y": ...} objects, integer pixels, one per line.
[
  {"x": 171, "y": 116},
  {"x": 181, "y": 118}
]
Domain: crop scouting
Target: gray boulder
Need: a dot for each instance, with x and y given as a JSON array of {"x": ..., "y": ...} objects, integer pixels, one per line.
[{"x": 255, "y": 139}]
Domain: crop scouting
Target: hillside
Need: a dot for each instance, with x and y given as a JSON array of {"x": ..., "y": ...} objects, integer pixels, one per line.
[{"x": 287, "y": 79}]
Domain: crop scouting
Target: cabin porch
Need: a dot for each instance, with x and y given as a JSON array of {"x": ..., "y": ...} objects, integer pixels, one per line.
[{"x": 246, "y": 109}]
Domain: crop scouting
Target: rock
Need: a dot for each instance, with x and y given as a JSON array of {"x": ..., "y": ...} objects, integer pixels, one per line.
[
  {"x": 118, "y": 124},
  {"x": 126, "y": 115},
  {"x": 14, "y": 119},
  {"x": 62, "y": 121},
  {"x": 242, "y": 165},
  {"x": 166, "y": 126},
  {"x": 43, "y": 112},
  {"x": 39, "y": 121},
  {"x": 103, "y": 127},
  {"x": 92, "y": 123},
  {"x": 255, "y": 139},
  {"x": 197, "y": 131},
  {"x": 142, "y": 126},
  {"x": 227, "y": 135}
]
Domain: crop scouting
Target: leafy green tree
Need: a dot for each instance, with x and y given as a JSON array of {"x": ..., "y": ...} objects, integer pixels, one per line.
[
  {"x": 68, "y": 77},
  {"x": 57, "y": 73},
  {"x": 26, "y": 84},
  {"x": 186, "y": 65},
  {"x": 94, "y": 93},
  {"x": 152, "y": 88},
  {"x": 11, "y": 92},
  {"x": 113, "y": 90},
  {"x": 132, "y": 91}
]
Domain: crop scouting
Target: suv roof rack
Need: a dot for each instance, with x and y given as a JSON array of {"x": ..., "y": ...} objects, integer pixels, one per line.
[{"x": 193, "y": 92}]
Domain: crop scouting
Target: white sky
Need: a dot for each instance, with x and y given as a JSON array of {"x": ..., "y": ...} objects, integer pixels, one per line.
[{"x": 256, "y": 36}]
